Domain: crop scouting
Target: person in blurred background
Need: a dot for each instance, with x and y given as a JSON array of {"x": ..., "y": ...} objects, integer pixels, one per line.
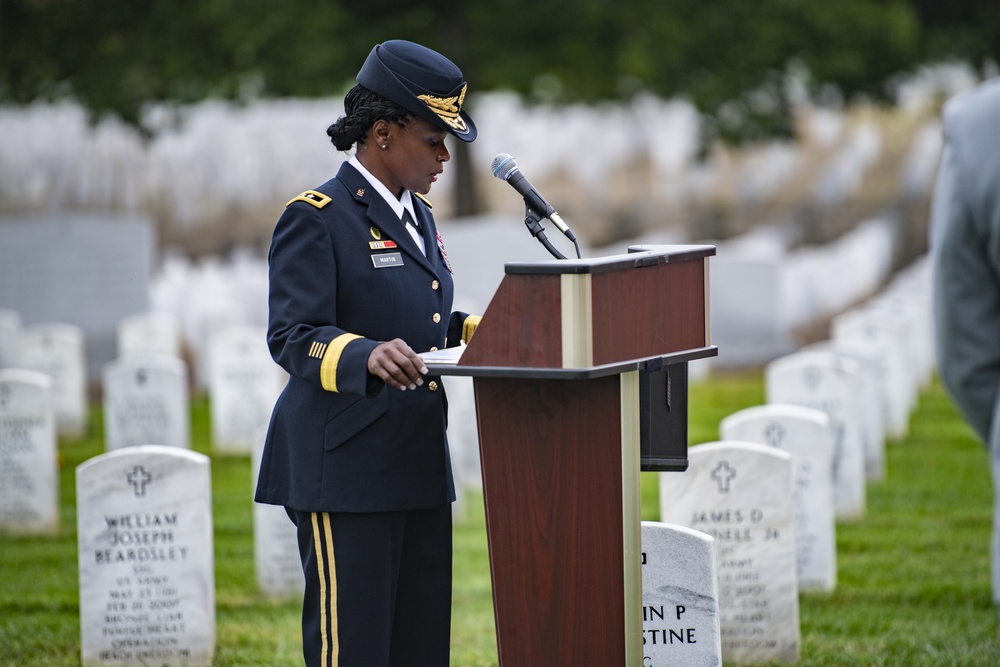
[
  {"x": 965, "y": 251},
  {"x": 356, "y": 450}
]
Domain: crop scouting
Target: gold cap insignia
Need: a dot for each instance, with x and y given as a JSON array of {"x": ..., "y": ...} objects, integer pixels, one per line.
[{"x": 447, "y": 108}]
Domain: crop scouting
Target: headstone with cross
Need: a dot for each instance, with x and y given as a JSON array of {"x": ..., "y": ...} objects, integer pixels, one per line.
[
  {"x": 244, "y": 383},
  {"x": 29, "y": 479},
  {"x": 830, "y": 382},
  {"x": 146, "y": 402},
  {"x": 145, "y": 553},
  {"x": 680, "y": 597},
  {"x": 740, "y": 493},
  {"x": 57, "y": 350},
  {"x": 804, "y": 433}
]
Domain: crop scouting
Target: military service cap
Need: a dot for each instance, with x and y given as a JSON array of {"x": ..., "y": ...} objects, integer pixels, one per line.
[{"x": 422, "y": 81}]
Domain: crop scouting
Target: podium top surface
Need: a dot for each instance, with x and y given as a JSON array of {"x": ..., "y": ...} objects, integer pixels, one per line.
[
  {"x": 438, "y": 367},
  {"x": 637, "y": 255}
]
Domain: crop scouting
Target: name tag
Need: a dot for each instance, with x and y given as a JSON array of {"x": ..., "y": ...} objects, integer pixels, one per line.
[{"x": 387, "y": 259}]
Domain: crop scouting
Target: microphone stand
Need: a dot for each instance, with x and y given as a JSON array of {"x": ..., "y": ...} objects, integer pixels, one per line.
[{"x": 533, "y": 222}]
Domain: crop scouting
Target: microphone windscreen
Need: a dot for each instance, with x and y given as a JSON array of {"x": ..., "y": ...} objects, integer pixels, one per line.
[{"x": 503, "y": 166}]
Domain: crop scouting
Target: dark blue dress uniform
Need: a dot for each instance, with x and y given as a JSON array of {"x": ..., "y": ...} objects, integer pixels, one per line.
[
  {"x": 345, "y": 275},
  {"x": 362, "y": 469}
]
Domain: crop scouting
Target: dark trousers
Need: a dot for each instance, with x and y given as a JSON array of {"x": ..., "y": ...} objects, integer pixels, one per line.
[{"x": 378, "y": 588}]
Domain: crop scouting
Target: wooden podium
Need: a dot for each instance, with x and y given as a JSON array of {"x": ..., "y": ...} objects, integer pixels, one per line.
[{"x": 580, "y": 377}]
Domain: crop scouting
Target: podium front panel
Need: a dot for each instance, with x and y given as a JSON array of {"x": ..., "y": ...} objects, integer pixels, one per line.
[{"x": 564, "y": 559}]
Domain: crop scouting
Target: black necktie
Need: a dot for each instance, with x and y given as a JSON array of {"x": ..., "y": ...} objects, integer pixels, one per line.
[{"x": 408, "y": 220}]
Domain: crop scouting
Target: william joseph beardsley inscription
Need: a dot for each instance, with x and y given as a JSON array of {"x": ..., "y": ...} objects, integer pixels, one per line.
[{"x": 147, "y": 587}]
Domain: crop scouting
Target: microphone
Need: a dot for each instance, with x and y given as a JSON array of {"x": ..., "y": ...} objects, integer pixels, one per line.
[{"x": 505, "y": 168}]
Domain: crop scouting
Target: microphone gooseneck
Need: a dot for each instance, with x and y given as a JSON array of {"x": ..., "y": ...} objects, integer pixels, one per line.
[{"x": 505, "y": 168}]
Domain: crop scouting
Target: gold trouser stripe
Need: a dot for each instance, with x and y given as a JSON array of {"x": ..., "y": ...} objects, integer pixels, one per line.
[
  {"x": 327, "y": 569},
  {"x": 469, "y": 327},
  {"x": 328, "y": 367}
]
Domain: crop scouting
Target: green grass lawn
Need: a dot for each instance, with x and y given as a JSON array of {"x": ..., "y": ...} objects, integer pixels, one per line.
[{"x": 913, "y": 584}]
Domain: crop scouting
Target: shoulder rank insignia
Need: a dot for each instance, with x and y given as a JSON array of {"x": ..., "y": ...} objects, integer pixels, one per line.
[
  {"x": 422, "y": 198},
  {"x": 317, "y": 199}
]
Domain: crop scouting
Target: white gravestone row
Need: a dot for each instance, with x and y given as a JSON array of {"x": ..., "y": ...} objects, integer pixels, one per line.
[
  {"x": 244, "y": 383},
  {"x": 57, "y": 350},
  {"x": 275, "y": 540},
  {"x": 145, "y": 549},
  {"x": 740, "y": 493},
  {"x": 29, "y": 488},
  {"x": 10, "y": 331},
  {"x": 680, "y": 597},
  {"x": 828, "y": 382},
  {"x": 146, "y": 402},
  {"x": 806, "y": 435}
]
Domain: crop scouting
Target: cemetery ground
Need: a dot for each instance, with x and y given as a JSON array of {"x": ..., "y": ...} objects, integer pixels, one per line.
[{"x": 913, "y": 584}]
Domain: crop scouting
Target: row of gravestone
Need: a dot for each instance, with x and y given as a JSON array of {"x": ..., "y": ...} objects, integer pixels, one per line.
[
  {"x": 752, "y": 522},
  {"x": 148, "y": 381},
  {"x": 744, "y": 529},
  {"x": 145, "y": 401}
]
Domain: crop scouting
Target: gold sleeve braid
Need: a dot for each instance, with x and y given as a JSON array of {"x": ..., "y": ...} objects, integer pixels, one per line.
[
  {"x": 469, "y": 327},
  {"x": 328, "y": 367}
]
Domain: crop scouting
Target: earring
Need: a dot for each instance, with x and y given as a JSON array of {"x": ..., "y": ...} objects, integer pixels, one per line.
[{"x": 384, "y": 146}]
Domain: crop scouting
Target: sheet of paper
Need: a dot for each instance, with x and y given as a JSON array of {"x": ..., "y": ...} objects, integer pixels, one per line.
[{"x": 449, "y": 355}]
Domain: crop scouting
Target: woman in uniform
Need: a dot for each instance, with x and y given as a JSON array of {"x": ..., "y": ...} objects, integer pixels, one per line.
[{"x": 356, "y": 450}]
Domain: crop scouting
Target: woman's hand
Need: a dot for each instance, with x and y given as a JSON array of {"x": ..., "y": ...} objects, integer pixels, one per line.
[{"x": 397, "y": 365}]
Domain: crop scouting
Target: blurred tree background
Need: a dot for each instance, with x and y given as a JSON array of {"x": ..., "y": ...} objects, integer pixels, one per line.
[
  {"x": 740, "y": 63},
  {"x": 727, "y": 56}
]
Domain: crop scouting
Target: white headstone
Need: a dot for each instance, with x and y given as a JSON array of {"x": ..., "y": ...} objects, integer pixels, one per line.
[
  {"x": 146, "y": 402},
  {"x": 680, "y": 597},
  {"x": 886, "y": 332},
  {"x": 147, "y": 583},
  {"x": 149, "y": 333},
  {"x": 873, "y": 401},
  {"x": 806, "y": 434},
  {"x": 29, "y": 476},
  {"x": 244, "y": 383},
  {"x": 56, "y": 349},
  {"x": 740, "y": 493},
  {"x": 828, "y": 382},
  {"x": 275, "y": 541},
  {"x": 10, "y": 331}
]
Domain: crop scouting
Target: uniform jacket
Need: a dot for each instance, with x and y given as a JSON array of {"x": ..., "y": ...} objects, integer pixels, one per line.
[
  {"x": 965, "y": 248},
  {"x": 344, "y": 276}
]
